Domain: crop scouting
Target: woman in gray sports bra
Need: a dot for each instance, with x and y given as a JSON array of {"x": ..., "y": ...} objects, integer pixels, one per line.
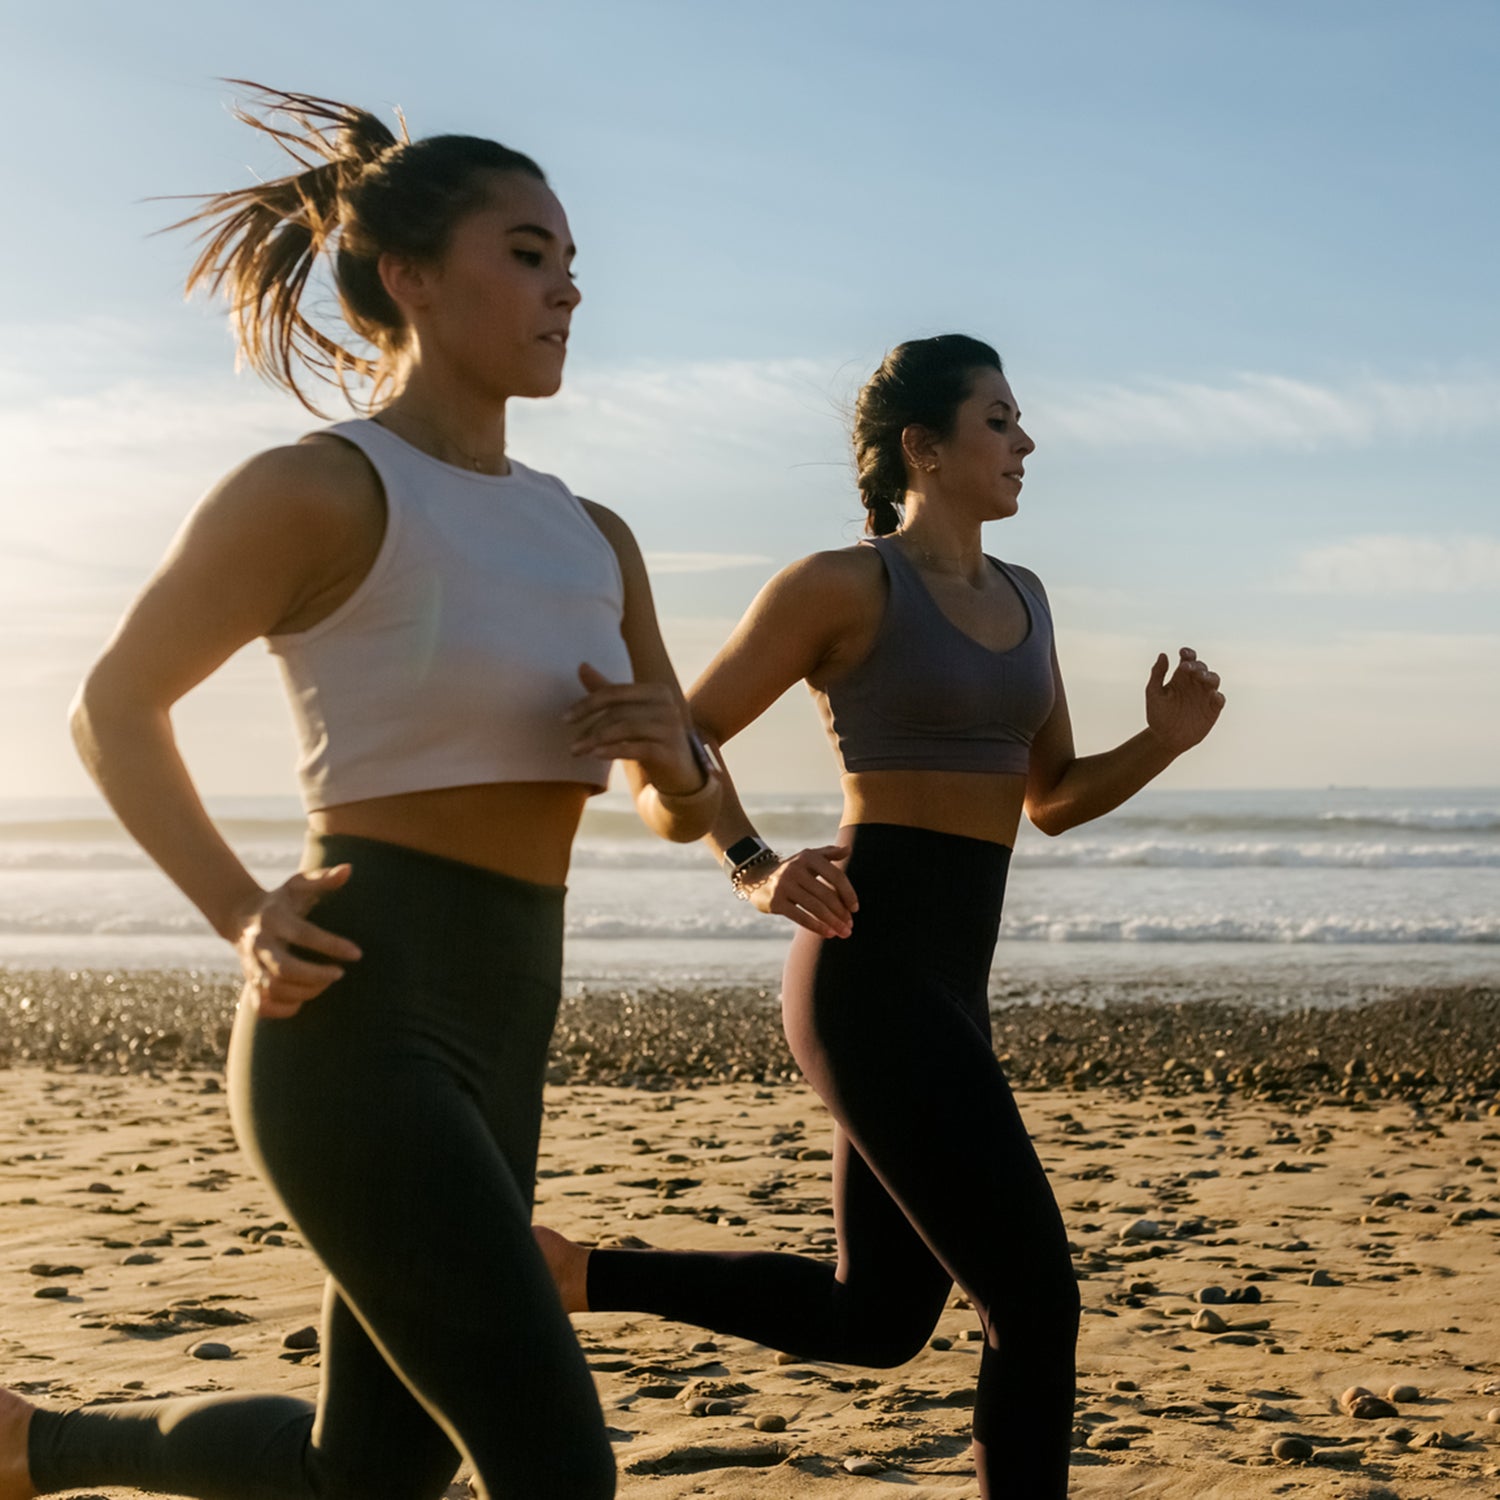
[{"x": 934, "y": 668}]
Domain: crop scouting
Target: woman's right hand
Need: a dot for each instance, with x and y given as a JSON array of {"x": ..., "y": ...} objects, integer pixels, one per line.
[
  {"x": 277, "y": 981},
  {"x": 811, "y": 890}
]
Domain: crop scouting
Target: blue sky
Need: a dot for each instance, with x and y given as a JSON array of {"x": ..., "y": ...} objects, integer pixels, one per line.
[{"x": 1239, "y": 260}]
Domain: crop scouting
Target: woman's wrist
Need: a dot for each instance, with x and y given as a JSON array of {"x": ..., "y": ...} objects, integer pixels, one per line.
[{"x": 707, "y": 766}]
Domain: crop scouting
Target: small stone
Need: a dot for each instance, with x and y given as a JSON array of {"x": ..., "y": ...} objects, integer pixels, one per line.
[
  {"x": 706, "y": 1347},
  {"x": 1142, "y": 1289},
  {"x": 1405, "y": 1394},
  {"x": 211, "y": 1351},
  {"x": 1352, "y": 1394},
  {"x": 101, "y": 1187},
  {"x": 1245, "y": 1294},
  {"x": 1141, "y": 1229},
  {"x": 141, "y": 1258},
  {"x": 1123, "y": 1385},
  {"x": 1206, "y": 1320},
  {"x": 1439, "y": 1438},
  {"x": 1212, "y": 1295},
  {"x": 1320, "y": 1277},
  {"x": 1371, "y": 1409},
  {"x": 303, "y": 1338},
  {"x": 1106, "y": 1442},
  {"x": 939, "y": 1342},
  {"x": 814, "y": 1153},
  {"x": 789, "y": 1359},
  {"x": 864, "y": 1465},
  {"x": 45, "y": 1268},
  {"x": 770, "y": 1422},
  {"x": 1292, "y": 1450},
  {"x": 50, "y": 1291},
  {"x": 1493, "y": 1415},
  {"x": 1339, "y": 1458}
]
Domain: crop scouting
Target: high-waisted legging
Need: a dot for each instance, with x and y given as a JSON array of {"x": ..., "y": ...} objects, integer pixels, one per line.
[
  {"x": 396, "y": 1117},
  {"x": 935, "y": 1178}
]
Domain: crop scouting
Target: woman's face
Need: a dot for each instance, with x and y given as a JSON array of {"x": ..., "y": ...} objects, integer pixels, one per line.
[
  {"x": 497, "y": 306},
  {"x": 980, "y": 462}
]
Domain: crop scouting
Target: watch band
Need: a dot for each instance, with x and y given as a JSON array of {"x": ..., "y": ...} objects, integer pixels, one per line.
[{"x": 742, "y": 851}]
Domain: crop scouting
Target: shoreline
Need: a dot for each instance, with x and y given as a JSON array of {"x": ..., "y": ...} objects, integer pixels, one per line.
[{"x": 1433, "y": 1047}]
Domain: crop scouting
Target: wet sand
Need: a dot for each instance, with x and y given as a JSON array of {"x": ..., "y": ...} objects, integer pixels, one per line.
[{"x": 1351, "y": 1220}]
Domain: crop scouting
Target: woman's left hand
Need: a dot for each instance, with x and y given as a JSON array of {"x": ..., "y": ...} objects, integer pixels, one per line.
[
  {"x": 1181, "y": 710},
  {"x": 639, "y": 721}
]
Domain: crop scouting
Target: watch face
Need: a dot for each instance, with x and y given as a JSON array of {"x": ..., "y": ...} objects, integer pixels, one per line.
[{"x": 745, "y": 848}]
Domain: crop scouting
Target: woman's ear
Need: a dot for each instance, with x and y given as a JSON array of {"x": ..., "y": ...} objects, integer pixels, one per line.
[
  {"x": 408, "y": 282},
  {"x": 919, "y": 450}
]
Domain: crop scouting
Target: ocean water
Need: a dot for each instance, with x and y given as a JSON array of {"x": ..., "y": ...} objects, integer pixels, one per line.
[{"x": 1327, "y": 888}]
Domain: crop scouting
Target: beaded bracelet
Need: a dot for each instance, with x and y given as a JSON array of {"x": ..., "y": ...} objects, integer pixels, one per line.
[{"x": 742, "y": 889}]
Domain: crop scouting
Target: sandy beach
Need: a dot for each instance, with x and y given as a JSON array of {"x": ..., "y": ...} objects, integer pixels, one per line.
[{"x": 1249, "y": 1245}]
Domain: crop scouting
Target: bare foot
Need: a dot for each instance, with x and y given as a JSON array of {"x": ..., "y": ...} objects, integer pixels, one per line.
[
  {"x": 15, "y": 1472},
  {"x": 569, "y": 1266}
]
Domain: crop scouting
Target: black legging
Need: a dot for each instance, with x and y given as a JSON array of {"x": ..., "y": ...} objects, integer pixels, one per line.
[
  {"x": 935, "y": 1178},
  {"x": 396, "y": 1116}
]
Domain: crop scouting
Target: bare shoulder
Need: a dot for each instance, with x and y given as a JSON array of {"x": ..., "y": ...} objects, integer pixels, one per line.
[
  {"x": 842, "y": 578},
  {"x": 613, "y": 526},
  {"x": 320, "y": 487}
]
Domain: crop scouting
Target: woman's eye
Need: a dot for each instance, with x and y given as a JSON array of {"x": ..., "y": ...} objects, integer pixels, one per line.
[
  {"x": 529, "y": 257},
  {"x": 999, "y": 424}
]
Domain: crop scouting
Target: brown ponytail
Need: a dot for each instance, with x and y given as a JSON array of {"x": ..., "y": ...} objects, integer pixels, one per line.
[
  {"x": 360, "y": 192},
  {"x": 920, "y": 383}
]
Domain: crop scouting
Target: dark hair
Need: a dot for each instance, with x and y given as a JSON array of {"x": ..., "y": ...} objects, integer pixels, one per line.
[
  {"x": 360, "y": 191},
  {"x": 920, "y": 383}
]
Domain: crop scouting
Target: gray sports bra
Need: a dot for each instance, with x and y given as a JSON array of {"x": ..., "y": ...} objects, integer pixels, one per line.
[{"x": 929, "y": 697}]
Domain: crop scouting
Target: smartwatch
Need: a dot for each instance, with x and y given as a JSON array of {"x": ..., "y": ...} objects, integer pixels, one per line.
[{"x": 742, "y": 851}]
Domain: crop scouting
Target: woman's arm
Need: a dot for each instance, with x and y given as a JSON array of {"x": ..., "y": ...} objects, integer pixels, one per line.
[
  {"x": 253, "y": 554},
  {"x": 794, "y": 629},
  {"x": 1064, "y": 789},
  {"x": 645, "y": 723}
]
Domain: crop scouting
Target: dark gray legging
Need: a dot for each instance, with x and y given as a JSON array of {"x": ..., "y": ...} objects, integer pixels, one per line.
[
  {"x": 935, "y": 1176},
  {"x": 396, "y": 1117}
]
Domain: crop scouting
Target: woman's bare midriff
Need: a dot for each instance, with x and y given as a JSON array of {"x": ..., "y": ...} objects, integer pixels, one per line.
[
  {"x": 520, "y": 828},
  {"x": 973, "y": 803}
]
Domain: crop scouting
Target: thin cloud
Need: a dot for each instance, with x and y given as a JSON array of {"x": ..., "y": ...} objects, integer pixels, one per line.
[
  {"x": 1399, "y": 565},
  {"x": 1264, "y": 411},
  {"x": 702, "y": 562}
]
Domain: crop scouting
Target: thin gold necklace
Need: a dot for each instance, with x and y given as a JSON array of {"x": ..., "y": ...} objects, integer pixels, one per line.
[
  {"x": 923, "y": 553},
  {"x": 476, "y": 464}
]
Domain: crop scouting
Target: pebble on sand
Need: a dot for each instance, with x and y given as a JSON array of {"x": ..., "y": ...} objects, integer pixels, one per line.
[
  {"x": 1292, "y": 1450},
  {"x": 1206, "y": 1320},
  {"x": 303, "y": 1338},
  {"x": 209, "y": 1350},
  {"x": 1364, "y": 1405},
  {"x": 1405, "y": 1394},
  {"x": 770, "y": 1422},
  {"x": 864, "y": 1465}
]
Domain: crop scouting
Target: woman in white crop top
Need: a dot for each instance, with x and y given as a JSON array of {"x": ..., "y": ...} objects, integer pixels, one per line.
[{"x": 468, "y": 647}]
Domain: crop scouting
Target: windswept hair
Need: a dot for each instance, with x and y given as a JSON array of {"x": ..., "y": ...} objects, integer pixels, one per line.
[
  {"x": 360, "y": 190},
  {"x": 920, "y": 383}
]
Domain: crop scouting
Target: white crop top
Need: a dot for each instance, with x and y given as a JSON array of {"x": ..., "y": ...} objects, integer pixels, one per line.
[{"x": 454, "y": 660}]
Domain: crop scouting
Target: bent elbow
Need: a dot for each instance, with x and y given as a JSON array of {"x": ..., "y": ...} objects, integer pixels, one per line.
[{"x": 1048, "y": 820}]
